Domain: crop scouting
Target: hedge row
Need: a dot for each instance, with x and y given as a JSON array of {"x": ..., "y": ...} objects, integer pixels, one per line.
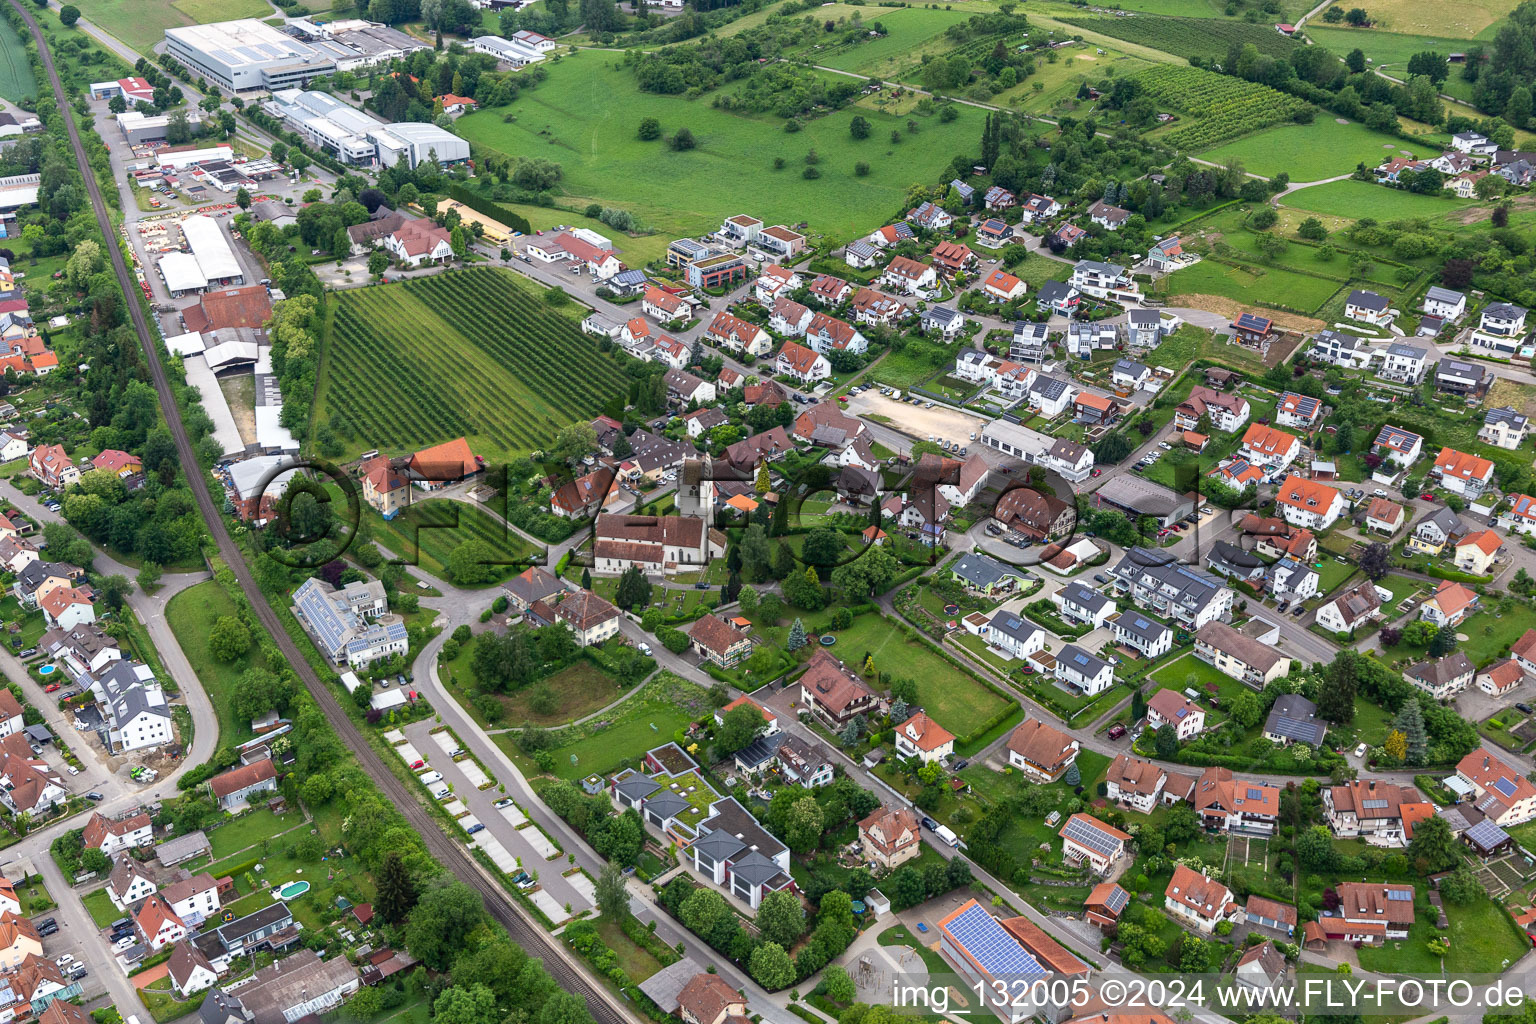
[{"x": 477, "y": 202}]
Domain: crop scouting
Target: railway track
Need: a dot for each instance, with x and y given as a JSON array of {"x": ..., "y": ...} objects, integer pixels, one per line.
[{"x": 605, "y": 1008}]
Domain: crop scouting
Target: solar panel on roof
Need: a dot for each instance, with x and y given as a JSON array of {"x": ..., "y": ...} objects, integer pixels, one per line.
[
  {"x": 1081, "y": 659},
  {"x": 998, "y": 953},
  {"x": 1084, "y": 834},
  {"x": 1372, "y": 804},
  {"x": 1255, "y": 794},
  {"x": 1486, "y": 834},
  {"x": 1118, "y": 898},
  {"x": 1505, "y": 787},
  {"x": 1399, "y": 895}
]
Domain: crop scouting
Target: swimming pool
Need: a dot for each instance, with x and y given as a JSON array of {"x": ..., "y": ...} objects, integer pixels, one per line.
[
  {"x": 46, "y": 670},
  {"x": 291, "y": 891}
]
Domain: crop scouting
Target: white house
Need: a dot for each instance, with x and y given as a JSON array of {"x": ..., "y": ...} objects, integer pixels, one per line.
[
  {"x": 1299, "y": 411},
  {"x": 1083, "y": 672},
  {"x": 1398, "y": 445},
  {"x": 1463, "y": 474},
  {"x": 1404, "y": 364},
  {"x": 1081, "y": 605},
  {"x": 1336, "y": 349},
  {"x": 1105, "y": 281},
  {"x": 13, "y": 445},
  {"x": 1504, "y": 428},
  {"x": 1087, "y": 840},
  {"x": 909, "y": 276},
  {"x": 1131, "y": 374},
  {"x": 1200, "y": 901},
  {"x": 1500, "y": 329},
  {"x": 1445, "y": 303},
  {"x": 1474, "y": 144},
  {"x": 1173, "y": 709},
  {"x": 923, "y": 738},
  {"x": 1148, "y": 636},
  {"x": 1308, "y": 503},
  {"x": 1269, "y": 448},
  {"x": 1368, "y": 307},
  {"x": 802, "y": 363},
  {"x": 790, "y": 318}
]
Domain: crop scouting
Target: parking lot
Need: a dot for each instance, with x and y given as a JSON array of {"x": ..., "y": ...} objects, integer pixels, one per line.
[{"x": 939, "y": 423}]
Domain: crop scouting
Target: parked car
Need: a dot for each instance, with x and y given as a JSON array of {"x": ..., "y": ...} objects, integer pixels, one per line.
[
  {"x": 418, "y": 764},
  {"x": 1099, "y": 577},
  {"x": 1116, "y": 731},
  {"x": 1523, "y": 707},
  {"x": 50, "y": 687},
  {"x": 644, "y": 649},
  {"x": 476, "y": 827},
  {"x": 1360, "y": 750},
  {"x": 1298, "y": 609},
  {"x": 929, "y": 823},
  {"x": 505, "y": 801},
  {"x": 960, "y": 764},
  {"x": 94, "y": 797},
  {"x": 701, "y": 586}
]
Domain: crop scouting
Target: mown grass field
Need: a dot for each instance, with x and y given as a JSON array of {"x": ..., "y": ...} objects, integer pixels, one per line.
[
  {"x": 1356, "y": 199},
  {"x": 912, "y": 31},
  {"x": 476, "y": 353},
  {"x": 191, "y": 615},
  {"x": 142, "y": 23},
  {"x": 1267, "y": 285},
  {"x": 1462, "y": 19},
  {"x": 16, "y": 78},
  {"x": 585, "y": 114},
  {"x": 1309, "y": 152}
]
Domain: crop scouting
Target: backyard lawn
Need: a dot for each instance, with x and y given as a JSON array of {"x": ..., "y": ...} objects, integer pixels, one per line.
[
  {"x": 1481, "y": 935},
  {"x": 1491, "y": 632},
  {"x": 99, "y": 905}
]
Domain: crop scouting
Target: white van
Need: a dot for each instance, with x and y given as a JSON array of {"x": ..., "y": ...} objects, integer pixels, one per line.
[
  {"x": 947, "y": 834},
  {"x": 428, "y": 778}
]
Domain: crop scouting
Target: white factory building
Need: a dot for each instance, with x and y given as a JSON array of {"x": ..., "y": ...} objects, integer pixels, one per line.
[
  {"x": 359, "y": 138},
  {"x": 210, "y": 264},
  {"x": 250, "y": 54}
]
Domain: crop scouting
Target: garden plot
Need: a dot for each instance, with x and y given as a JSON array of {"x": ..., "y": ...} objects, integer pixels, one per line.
[{"x": 541, "y": 843}]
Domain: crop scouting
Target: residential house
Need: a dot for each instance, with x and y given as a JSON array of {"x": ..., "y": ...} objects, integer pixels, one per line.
[
  {"x": 1473, "y": 143},
  {"x": 803, "y": 364},
  {"x": 862, "y": 255},
  {"x": 194, "y": 899},
  {"x": 719, "y": 642},
  {"x": 590, "y": 619},
  {"x": 1500, "y": 792},
  {"x": 1131, "y": 374},
  {"x": 13, "y": 445},
  {"x": 1171, "y": 708},
  {"x": 1135, "y": 783},
  {"x": 1227, "y": 412},
  {"x": 583, "y": 496},
  {"x": 827, "y": 334},
  {"x": 1521, "y": 516},
  {"x": 735, "y": 852},
  {"x": 652, "y": 543},
  {"x": 1368, "y": 307},
  {"x": 1293, "y": 719},
  {"x": 665, "y": 307},
  {"x": 1458, "y": 377},
  {"x": 684, "y": 388},
  {"x": 774, "y": 281},
  {"x": 891, "y": 234},
  {"x": 941, "y": 321},
  {"x": 1170, "y": 589},
  {"x": 930, "y": 216},
  {"x": 1105, "y": 281},
  {"x": 998, "y": 198},
  {"x": 1270, "y": 448},
  {"x": 833, "y": 692},
  {"x": 1499, "y": 329},
  {"x": 984, "y": 575},
  {"x": 923, "y": 738},
  {"x": 1034, "y": 208},
  {"x": 701, "y": 421},
  {"x": 112, "y": 835},
  {"x": 1238, "y": 655},
  {"x": 1058, "y": 297},
  {"x": 1354, "y": 607},
  {"x": 1230, "y": 560},
  {"x": 742, "y": 229},
  {"x": 1199, "y": 901},
  {"x": 1338, "y": 349},
  {"x": 1262, "y": 967},
  {"x": 1013, "y": 635},
  {"x": 39, "y": 983},
  {"x": 909, "y": 277},
  {"x": 1397, "y": 445},
  {"x": 1051, "y": 396},
  {"x": 875, "y": 307},
  {"x": 239, "y": 786},
  {"x": 1104, "y": 904},
  {"x": 1085, "y": 337},
  {"x": 985, "y": 953},
  {"x": 1081, "y": 605},
  {"x": 1405, "y": 364},
  {"x": 994, "y": 233},
  {"x": 1369, "y": 809},
  {"x": 1300, "y": 411},
  {"x": 129, "y": 882},
  {"x": 1094, "y": 410},
  {"x": 1443, "y": 677},
  {"x": 1383, "y": 516},
  {"x": 532, "y": 584},
  {"x": 1086, "y": 841},
  {"x": 1110, "y": 218},
  {"x": 67, "y": 607},
  {"x": 419, "y": 242},
  {"x": 708, "y": 999},
  {"x": 953, "y": 257},
  {"x": 1445, "y": 303},
  {"x": 1369, "y": 913},
  {"x": 157, "y": 925},
  {"x": 781, "y": 240},
  {"x": 891, "y": 836},
  {"x": 1067, "y": 458},
  {"x": 19, "y": 941},
  {"x": 190, "y": 971},
  {"x": 1035, "y": 514},
  {"x": 738, "y": 335},
  {"x": 826, "y": 425},
  {"x": 1253, "y": 330},
  {"x": 1148, "y": 637},
  {"x": 829, "y": 290},
  {"x": 1082, "y": 672},
  {"x": 51, "y": 467},
  {"x": 1463, "y": 474},
  {"x": 1504, "y": 428},
  {"x": 1476, "y": 552},
  {"x": 1029, "y": 342},
  {"x": 1041, "y": 752},
  {"x": 1308, "y": 503},
  {"x": 1166, "y": 255},
  {"x": 1450, "y": 604},
  {"x": 1228, "y": 804},
  {"x": 1144, "y": 328},
  {"x": 1001, "y": 286},
  {"x": 789, "y": 317}
]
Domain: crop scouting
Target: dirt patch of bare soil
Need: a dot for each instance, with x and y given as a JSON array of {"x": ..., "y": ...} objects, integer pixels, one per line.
[
  {"x": 1231, "y": 308},
  {"x": 1477, "y": 214}
]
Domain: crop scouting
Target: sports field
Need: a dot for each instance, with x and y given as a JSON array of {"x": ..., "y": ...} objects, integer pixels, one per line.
[
  {"x": 142, "y": 23},
  {"x": 476, "y": 353},
  {"x": 585, "y": 115},
  {"x": 16, "y": 78},
  {"x": 1310, "y": 152},
  {"x": 1358, "y": 199}
]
